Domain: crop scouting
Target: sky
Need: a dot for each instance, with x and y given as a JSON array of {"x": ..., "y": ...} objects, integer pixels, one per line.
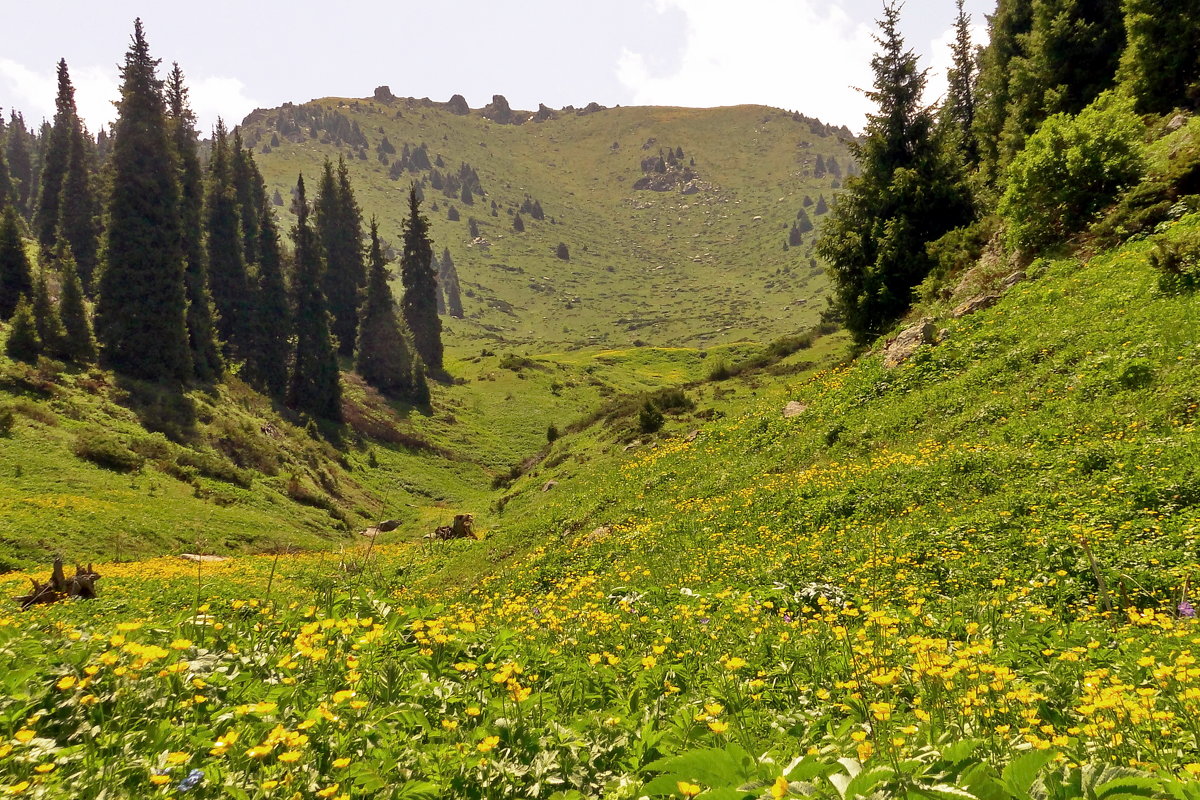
[{"x": 804, "y": 55}]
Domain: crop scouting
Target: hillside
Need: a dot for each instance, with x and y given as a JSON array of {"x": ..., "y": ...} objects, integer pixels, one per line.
[
  {"x": 966, "y": 576},
  {"x": 670, "y": 267}
]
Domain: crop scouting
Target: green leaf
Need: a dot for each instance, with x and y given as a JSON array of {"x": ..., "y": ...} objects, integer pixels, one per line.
[
  {"x": 710, "y": 767},
  {"x": 1131, "y": 787},
  {"x": 865, "y": 782},
  {"x": 1020, "y": 773}
]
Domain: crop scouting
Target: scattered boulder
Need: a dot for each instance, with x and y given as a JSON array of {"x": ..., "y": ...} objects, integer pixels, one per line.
[
  {"x": 631, "y": 446},
  {"x": 387, "y": 526},
  {"x": 975, "y": 304},
  {"x": 794, "y": 409},
  {"x": 690, "y": 188},
  {"x": 1015, "y": 278},
  {"x": 691, "y": 437},
  {"x": 458, "y": 105},
  {"x": 1177, "y": 122},
  {"x": 384, "y": 94},
  {"x": 591, "y": 108},
  {"x": 905, "y": 343},
  {"x": 549, "y": 485},
  {"x": 199, "y": 559}
]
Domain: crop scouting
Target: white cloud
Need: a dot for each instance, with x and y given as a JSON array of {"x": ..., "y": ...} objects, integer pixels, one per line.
[
  {"x": 97, "y": 88},
  {"x": 785, "y": 53}
]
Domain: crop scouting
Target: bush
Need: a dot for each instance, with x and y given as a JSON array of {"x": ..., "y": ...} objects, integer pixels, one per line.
[
  {"x": 1177, "y": 263},
  {"x": 1071, "y": 168},
  {"x": 552, "y": 433},
  {"x": 720, "y": 371},
  {"x": 105, "y": 450},
  {"x": 7, "y": 420},
  {"x": 650, "y": 419}
]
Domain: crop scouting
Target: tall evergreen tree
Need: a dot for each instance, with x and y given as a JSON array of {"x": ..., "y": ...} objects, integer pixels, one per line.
[
  {"x": 418, "y": 275},
  {"x": 49, "y": 324},
  {"x": 8, "y": 193},
  {"x": 201, "y": 325},
  {"x": 273, "y": 329},
  {"x": 227, "y": 276},
  {"x": 249, "y": 189},
  {"x": 959, "y": 108},
  {"x": 23, "y": 343},
  {"x": 16, "y": 277},
  {"x": 79, "y": 343},
  {"x": 908, "y": 194},
  {"x": 1162, "y": 60},
  {"x": 384, "y": 355},
  {"x": 315, "y": 385},
  {"x": 142, "y": 306},
  {"x": 78, "y": 209},
  {"x": 19, "y": 150},
  {"x": 339, "y": 226},
  {"x": 1007, "y": 29},
  {"x": 448, "y": 284},
  {"x": 56, "y": 155}
]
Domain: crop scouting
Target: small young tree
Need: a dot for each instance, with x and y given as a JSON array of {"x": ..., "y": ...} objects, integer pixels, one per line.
[
  {"x": 16, "y": 277},
  {"x": 79, "y": 343},
  {"x": 518, "y": 223},
  {"x": 23, "y": 343},
  {"x": 46, "y": 317},
  {"x": 562, "y": 252}
]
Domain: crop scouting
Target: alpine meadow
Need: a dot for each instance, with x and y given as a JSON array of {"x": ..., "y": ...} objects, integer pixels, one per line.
[{"x": 387, "y": 447}]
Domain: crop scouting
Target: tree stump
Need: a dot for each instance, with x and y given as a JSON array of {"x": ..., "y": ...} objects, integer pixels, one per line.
[
  {"x": 82, "y": 585},
  {"x": 461, "y": 529}
]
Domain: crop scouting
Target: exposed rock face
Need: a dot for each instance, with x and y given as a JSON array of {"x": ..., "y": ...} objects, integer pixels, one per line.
[
  {"x": 975, "y": 304},
  {"x": 1177, "y": 122},
  {"x": 591, "y": 108},
  {"x": 691, "y": 437},
  {"x": 1015, "y": 278},
  {"x": 549, "y": 485},
  {"x": 383, "y": 94},
  {"x": 544, "y": 113},
  {"x": 905, "y": 343},
  {"x": 794, "y": 409},
  {"x": 498, "y": 110},
  {"x": 458, "y": 105}
]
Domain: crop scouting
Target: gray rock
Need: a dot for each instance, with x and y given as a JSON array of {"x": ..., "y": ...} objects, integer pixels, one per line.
[
  {"x": 975, "y": 304},
  {"x": 794, "y": 409},
  {"x": 905, "y": 343},
  {"x": 549, "y": 485}
]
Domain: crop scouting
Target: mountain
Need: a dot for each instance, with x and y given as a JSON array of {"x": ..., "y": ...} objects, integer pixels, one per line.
[{"x": 697, "y": 259}]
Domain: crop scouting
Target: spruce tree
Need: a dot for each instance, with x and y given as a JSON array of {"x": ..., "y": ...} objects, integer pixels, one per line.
[
  {"x": 19, "y": 150},
  {"x": 339, "y": 227},
  {"x": 273, "y": 313},
  {"x": 1161, "y": 63},
  {"x": 384, "y": 356},
  {"x": 227, "y": 276},
  {"x": 56, "y": 155},
  {"x": 79, "y": 343},
  {"x": 16, "y": 277},
  {"x": 959, "y": 108},
  {"x": 201, "y": 326},
  {"x": 1008, "y": 28},
  {"x": 448, "y": 282},
  {"x": 420, "y": 286},
  {"x": 248, "y": 188},
  {"x": 23, "y": 343},
  {"x": 315, "y": 386},
  {"x": 78, "y": 209},
  {"x": 142, "y": 306},
  {"x": 908, "y": 194},
  {"x": 50, "y": 329},
  {"x": 8, "y": 193}
]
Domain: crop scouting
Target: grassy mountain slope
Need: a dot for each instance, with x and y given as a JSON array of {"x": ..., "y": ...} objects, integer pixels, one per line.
[
  {"x": 960, "y": 577},
  {"x": 661, "y": 267}
]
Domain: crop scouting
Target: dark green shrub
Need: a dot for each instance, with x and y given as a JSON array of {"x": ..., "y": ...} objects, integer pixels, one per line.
[
  {"x": 650, "y": 419},
  {"x": 1177, "y": 263},
  {"x": 106, "y": 450},
  {"x": 1071, "y": 168},
  {"x": 1137, "y": 373},
  {"x": 720, "y": 371},
  {"x": 672, "y": 401},
  {"x": 552, "y": 433},
  {"x": 7, "y": 420}
]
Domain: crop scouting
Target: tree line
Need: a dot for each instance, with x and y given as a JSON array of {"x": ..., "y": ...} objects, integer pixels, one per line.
[
  {"x": 1036, "y": 134},
  {"x": 168, "y": 267}
]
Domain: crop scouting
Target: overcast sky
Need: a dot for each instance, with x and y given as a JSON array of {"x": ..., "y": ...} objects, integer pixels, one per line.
[{"x": 805, "y": 55}]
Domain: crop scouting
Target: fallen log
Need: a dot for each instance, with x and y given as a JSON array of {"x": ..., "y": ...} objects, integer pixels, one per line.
[{"x": 82, "y": 585}]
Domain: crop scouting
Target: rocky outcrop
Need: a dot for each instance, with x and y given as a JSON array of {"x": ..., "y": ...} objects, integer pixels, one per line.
[
  {"x": 458, "y": 105},
  {"x": 498, "y": 110},
  {"x": 899, "y": 348},
  {"x": 544, "y": 113},
  {"x": 794, "y": 409},
  {"x": 383, "y": 94},
  {"x": 975, "y": 304}
]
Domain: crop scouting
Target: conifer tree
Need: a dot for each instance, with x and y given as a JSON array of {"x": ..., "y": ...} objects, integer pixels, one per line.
[
  {"x": 315, "y": 386},
  {"x": 201, "y": 326},
  {"x": 339, "y": 227},
  {"x": 803, "y": 222},
  {"x": 16, "y": 277},
  {"x": 273, "y": 314},
  {"x": 79, "y": 343},
  {"x": 55, "y": 157},
  {"x": 1008, "y": 27},
  {"x": 248, "y": 186},
  {"x": 227, "y": 276},
  {"x": 23, "y": 343},
  {"x": 908, "y": 194},
  {"x": 448, "y": 282},
  {"x": 8, "y": 193},
  {"x": 384, "y": 355},
  {"x": 959, "y": 108},
  {"x": 78, "y": 209},
  {"x": 19, "y": 150},
  {"x": 1161, "y": 63},
  {"x": 420, "y": 286},
  {"x": 142, "y": 306},
  {"x": 50, "y": 329}
]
